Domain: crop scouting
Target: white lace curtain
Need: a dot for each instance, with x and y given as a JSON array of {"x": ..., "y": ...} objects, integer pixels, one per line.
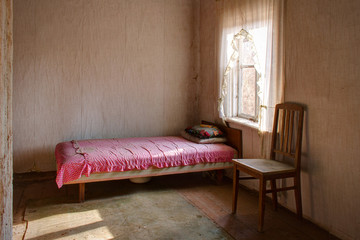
[{"x": 240, "y": 19}]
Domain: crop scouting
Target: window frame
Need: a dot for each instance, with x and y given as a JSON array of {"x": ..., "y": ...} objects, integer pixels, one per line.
[{"x": 239, "y": 79}]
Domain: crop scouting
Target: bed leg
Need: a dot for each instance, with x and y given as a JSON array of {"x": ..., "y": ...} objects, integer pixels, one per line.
[
  {"x": 66, "y": 190},
  {"x": 219, "y": 176},
  {"x": 81, "y": 192}
]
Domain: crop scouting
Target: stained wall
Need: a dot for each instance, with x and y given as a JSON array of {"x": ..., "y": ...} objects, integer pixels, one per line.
[
  {"x": 322, "y": 72},
  {"x": 100, "y": 69}
]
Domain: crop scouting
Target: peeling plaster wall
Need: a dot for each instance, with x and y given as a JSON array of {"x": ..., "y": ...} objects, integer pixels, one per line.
[
  {"x": 322, "y": 72},
  {"x": 100, "y": 69}
]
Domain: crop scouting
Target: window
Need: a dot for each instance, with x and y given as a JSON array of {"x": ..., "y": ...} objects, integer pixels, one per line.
[
  {"x": 244, "y": 86},
  {"x": 246, "y": 51},
  {"x": 250, "y": 59}
]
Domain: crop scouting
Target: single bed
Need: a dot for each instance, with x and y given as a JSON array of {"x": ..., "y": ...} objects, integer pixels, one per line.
[{"x": 85, "y": 161}]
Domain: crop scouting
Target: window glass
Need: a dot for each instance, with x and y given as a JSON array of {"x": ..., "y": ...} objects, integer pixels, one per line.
[{"x": 248, "y": 92}]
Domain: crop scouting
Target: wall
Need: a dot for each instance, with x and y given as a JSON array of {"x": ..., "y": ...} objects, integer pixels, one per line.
[
  {"x": 322, "y": 72},
  {"x": 100, "y": 69},
  {"x": 6, "y": 142}
]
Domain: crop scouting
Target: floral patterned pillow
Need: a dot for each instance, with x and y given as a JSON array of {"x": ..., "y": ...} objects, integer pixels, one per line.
[
  {"x": 204, "y": 131},
  {"x": 202, "y": 140}
]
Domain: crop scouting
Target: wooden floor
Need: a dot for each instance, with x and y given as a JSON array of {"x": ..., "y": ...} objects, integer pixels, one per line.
[{"x": 213, "y": 199}]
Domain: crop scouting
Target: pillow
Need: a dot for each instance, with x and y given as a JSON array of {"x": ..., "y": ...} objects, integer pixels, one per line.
[
  {"x": 194, "y": 139},
  {"x": 204, "y": 131}
]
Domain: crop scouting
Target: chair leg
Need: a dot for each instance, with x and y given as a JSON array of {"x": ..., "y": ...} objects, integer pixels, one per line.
[
  {"x": 262, "y": 190},
  {"x": 274, "y": 194},
  {"x": 298, "y": 196},
  {"x": 235, "y": 189}
]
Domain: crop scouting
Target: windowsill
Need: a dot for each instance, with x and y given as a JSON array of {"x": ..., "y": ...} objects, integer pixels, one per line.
[{"x": 241, "y": 122}]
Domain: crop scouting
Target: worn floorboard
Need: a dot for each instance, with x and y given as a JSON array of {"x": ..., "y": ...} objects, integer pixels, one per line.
[{"x": 212, "y": 199}]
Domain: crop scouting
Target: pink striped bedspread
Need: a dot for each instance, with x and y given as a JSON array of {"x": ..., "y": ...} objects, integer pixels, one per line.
[{"x": 83, "y": 157}]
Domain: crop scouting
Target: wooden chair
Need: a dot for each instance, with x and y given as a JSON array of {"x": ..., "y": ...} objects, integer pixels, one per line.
[{"x": 288, "y": 125}]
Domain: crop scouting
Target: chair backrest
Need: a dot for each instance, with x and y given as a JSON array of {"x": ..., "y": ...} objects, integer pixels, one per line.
[{"x": 288, "y": 126}]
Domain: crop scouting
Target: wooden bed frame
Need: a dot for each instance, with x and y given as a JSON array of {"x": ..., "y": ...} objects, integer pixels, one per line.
[{"x": 234, "y": 139}]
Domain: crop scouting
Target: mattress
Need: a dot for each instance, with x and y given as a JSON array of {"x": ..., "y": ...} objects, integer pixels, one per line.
[{"x": 84, "y": 157}]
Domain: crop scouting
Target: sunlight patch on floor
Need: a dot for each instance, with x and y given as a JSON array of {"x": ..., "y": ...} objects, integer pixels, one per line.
[{"x": 52, "y": 225}]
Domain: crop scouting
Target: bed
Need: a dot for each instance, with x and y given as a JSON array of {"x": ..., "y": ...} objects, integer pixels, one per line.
[{"x": 94, "y": 160}]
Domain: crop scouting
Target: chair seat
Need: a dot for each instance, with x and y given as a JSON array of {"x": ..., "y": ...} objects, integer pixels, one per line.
[{"x": 265, "y": 166}]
